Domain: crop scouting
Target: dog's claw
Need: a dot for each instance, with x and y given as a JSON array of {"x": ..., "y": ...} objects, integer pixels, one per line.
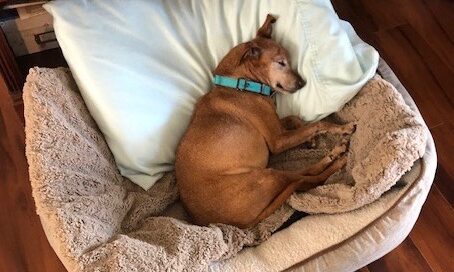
[
  {"x": 349, "y": 128},
  {"x": 338, "y": 151},
  {"x": 341, "y": 161}
]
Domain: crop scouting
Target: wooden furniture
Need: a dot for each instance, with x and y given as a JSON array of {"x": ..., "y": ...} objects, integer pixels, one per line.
[
  {"x": 9, "y": 68},
  {"x": 14, "y": 69},
  {"x": 19, "y": 2}
]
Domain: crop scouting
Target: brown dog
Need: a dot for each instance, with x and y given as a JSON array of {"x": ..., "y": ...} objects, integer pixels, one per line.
[{"x": 222, "y": 158}]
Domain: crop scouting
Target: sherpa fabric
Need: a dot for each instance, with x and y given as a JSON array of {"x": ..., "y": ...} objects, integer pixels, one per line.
[
  {"x": 388, "y": 139},
  {"x": 100, "y": 221}
]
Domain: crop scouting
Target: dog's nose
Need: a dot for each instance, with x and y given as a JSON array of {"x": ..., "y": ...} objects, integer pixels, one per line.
[{"x": 300, "y": 83}]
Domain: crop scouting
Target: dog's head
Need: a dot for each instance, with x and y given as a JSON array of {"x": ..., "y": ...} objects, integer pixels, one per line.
[{"x": 267, "y": 61}]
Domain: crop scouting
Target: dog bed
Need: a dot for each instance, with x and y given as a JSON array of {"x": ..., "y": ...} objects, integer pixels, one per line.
[{"x": 97, "y": 220}]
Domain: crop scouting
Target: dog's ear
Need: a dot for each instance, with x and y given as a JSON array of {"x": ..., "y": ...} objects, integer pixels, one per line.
[
  {"x": 252, "y": 52},
  {"x": 267, "y": 27}
]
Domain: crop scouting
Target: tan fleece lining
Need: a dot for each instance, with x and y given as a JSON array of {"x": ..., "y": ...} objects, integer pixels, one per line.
[{"x": 365, "y": 228}]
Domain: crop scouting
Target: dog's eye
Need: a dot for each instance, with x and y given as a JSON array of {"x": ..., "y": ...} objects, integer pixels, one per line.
[{"x": 281, "y": 63}]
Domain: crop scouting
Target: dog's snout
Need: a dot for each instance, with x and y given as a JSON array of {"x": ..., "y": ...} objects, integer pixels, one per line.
[{"x": 300, "y": 82}]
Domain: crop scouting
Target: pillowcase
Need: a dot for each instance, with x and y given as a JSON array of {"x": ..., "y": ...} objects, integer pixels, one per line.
[{"x": 141, "y": 65}]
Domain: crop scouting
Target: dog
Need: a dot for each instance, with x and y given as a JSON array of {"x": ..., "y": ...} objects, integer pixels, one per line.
[{"x": 221, "y": 161}]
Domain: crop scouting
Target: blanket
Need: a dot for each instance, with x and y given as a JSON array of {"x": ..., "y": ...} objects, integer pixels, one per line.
[{"x": 100, "y": 221}]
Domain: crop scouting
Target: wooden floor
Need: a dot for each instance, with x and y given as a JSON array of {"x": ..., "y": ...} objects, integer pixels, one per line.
[{"x": 414, "y": 36}]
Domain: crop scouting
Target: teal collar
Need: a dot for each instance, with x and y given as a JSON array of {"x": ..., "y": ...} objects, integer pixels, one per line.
[{"x": 242, "y": 84}]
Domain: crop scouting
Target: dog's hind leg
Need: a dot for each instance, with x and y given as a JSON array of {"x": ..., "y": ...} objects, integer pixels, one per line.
[
  {"x": 257, "y": 193},
  {"x": 243, "y": 196},
  {"x": 303, "y": 184}
]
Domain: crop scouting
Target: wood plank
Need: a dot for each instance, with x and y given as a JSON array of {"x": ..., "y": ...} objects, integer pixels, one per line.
[
  {"x": 442, "y": 74},
  {"x": 427, "y": 24},
  {"x": 443, "y": 10},
  {"x": 386, "y": 14},
  {"x": 364, "y": 269},
  {"x": 443, "y": 137},
  {"x": 445, "y": 184},
  {"x": 353, "y": 12},
  {"x": 19, "y": 107},
  {"x": 405, "y": 257},
  {"x": 416, "y": 74},
  {"x": 433, "y": 233},
  {"x": 22, "y": 241},
  {"x": 8, "y": 66}
]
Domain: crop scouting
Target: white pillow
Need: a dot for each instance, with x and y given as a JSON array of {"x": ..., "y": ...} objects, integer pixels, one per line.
[{"x": 141, "y": 65}]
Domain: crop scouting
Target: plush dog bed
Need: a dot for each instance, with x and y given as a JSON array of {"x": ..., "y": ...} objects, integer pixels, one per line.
[{"x": 96, "y": 220}]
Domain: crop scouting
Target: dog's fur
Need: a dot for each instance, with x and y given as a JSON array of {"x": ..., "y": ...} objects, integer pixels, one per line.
[{"x": 221, "y": 162}]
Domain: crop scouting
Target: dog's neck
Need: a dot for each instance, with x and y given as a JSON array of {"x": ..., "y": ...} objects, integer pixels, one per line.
[
  {"x": 236, "y": 72},
  {"x": 250, "y": 96},
  {"x": 242, "y": 73},
  {"x": 231, "y": 66}
]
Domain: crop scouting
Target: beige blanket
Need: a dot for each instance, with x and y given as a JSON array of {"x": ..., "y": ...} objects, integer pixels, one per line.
[{"x": 100, "y": 221}]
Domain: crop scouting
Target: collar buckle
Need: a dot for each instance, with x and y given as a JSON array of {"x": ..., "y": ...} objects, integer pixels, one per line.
[
  {"x": 242, "y": 84},
  {"x": 238, "y": 84},
  {"x": 261, "y": 89}
]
